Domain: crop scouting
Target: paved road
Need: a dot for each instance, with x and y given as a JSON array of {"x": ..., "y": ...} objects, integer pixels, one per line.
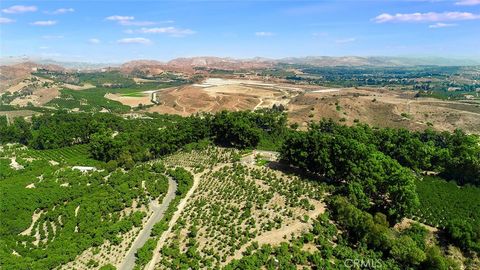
[
  {"x": 158, "y": 211},
  {"x": 150, "y": 265},
  {"x": 176, "y": 215}
]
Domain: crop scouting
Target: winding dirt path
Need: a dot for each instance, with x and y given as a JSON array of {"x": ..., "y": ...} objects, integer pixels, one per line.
[{"x": 258, "y": 105}]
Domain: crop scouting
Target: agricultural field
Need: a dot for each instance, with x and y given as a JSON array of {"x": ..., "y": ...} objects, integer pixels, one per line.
[
  {"x": 59, "y": 215},
  {"x": 413, "y": 98},
  {"x": 374, "y": 105},
  {"x": 12, "y": 114},
  {"x": 200, "y": 157},
  {"x": 267, "y": 184},
  {"x": 83, "y": 191},
  {"x": 100, "y": 91},
  {"x": 444, "y": 82},
  {"x": 126, "y": 145},
  {"x": 234, "y": 205},
  {"x": 319, "y": 247},
  {"x": 72, "y": 155},
  {"x": 442, "y": 201}
]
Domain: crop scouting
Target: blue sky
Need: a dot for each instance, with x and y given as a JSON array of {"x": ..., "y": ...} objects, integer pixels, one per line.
[{"x": 115, "y": 31}]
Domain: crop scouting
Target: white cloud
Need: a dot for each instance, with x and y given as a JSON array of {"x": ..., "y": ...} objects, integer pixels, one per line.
[
  {"x": 264, "y": 34},
  {"x": 94, "y": 41},
  {"x": 119, "y": 18},
  {"x": 44, "y": 23},
  {"x": 467, "y": 2},
  {"x": 128, "y": 21},
  {"x": 137, "y": 40},
  {"x": 426, "y": 17},
  {"x": 43, "y": 47},
  {"x": 61, "y": 11},
  {"x": 442, "y": 25},
  {"x": 19, "y": 9},
  {"x": 172, "y": 31},
  {"x": 4, "y": 20},
  {"x": 345, "y": 40}
]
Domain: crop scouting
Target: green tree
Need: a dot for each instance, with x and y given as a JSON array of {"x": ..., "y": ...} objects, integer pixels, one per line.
[{"x": 405, "y": 250}]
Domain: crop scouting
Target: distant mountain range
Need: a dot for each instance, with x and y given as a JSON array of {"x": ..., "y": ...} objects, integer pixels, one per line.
[
  {"x": 379, "y": 61},
  {"x": 208, "y": 62},
  {"x": 45, "y": 62},
  {"x": 192, "y": 63}
]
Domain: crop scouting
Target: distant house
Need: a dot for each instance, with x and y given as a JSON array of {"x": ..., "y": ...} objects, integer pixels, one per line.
[
  {"x": 453, "y": 89},
  {"x": 84, "y": 168},
  {"x": 154, "y": 98},
  {"x": 112, "y": 85}
]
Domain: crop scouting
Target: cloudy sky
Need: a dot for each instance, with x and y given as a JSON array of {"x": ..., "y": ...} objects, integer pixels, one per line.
[{"x": 114, "y": 31}]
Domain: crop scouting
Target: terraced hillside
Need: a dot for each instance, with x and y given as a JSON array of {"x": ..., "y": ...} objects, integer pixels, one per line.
[
  {"x": 66, "y": 218},
  {"x": 235, "y": 205}
]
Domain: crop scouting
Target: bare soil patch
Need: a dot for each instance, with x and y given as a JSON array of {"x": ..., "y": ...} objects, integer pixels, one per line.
[
  {"x": 141, "y": 80},
  {"x": 78, "y": 87},
  {"x": 19, "y": 113},
  {"x": 16, "y": 87},
  {"x": 38, "y": 97},
  {"x": 221, "y": 94},
  {"x": 36, "y": 215},
  {"x": 130, "y": 101},
  {"x": 384, "y": 108}
]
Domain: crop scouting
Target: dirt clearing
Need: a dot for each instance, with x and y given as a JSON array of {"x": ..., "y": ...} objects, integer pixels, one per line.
[
  {"x": 384, "y": 108},
  {"x": 129, "y": 100},
  {"x": 216, "y": 94}
]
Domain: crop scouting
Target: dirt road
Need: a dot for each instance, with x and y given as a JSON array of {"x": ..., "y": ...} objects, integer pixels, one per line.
[
  {"x": 158, "y": 211},
  {"x": 258, "y": 105}
]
